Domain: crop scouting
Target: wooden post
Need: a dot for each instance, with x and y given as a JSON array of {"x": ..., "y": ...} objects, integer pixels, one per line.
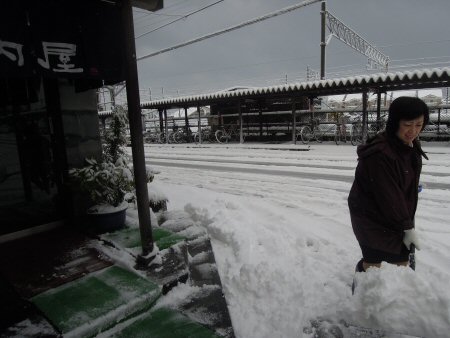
[
  {"x": 311, "y": 110},
  {"x": 161, "y": 123},
  {"x": 378, "y": 110},
  {"x": 186, "y": 125},
  {"x": 137, "y": 142},
  {"x": 439, "y": 123},
  {"x": 241, "y": 132},
  {"x": 364, "y": 117},
  {"x": 294, "y": 123},
  {"x": 260, "y": 122},
  {"x": 166, "y": 126},
  {"x": 199, "y": 124}
]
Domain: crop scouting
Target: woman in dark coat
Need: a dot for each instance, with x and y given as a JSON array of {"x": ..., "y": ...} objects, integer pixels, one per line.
[{"x": 384, "y": 194}]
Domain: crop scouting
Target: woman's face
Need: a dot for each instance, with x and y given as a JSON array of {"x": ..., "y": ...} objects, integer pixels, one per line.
[{"x": 408, "y": 130}]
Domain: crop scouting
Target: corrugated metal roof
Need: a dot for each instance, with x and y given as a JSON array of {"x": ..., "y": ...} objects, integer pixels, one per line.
[{"x": 421, "y": 78}]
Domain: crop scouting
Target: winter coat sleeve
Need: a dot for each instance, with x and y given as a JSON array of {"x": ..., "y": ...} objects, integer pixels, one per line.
[{"x": 386, "y": 180}]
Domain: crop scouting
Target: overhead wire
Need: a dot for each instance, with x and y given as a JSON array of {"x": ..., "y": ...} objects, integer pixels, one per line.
[
  {"x": 336, "y": 67},
  {"x": 229, "y": 29},
  {"x": 149, "y": 22},
  {"x": 180, "y": 6},
  {"x": 183, "y": 17},
  {"x": 423, "y": 58},
  {"x": 236, "y": 66},
  {"x": 413, "y": 43}
]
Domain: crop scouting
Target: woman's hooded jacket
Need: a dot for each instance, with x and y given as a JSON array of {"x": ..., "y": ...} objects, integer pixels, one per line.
[{"x": 383, "y": 197}]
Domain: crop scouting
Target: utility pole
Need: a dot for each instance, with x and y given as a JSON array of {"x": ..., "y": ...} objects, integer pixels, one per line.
[
  {"x": 323, "y": 44},
  {"x": 348, "y": 36},
  {"x": 137, "y": 143}
]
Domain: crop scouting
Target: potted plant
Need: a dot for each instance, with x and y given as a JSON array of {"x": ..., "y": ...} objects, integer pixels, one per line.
[{"x": 107, "y": 182}]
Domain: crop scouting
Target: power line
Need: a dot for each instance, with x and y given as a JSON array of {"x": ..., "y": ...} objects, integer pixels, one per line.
[
  {"x": 227, "y": 30},
  {"x": 422, "y": 64},
  {"x": 183, "y": 17},
  {"x": 165, "y": 14},
  {"x": 148, "y": 15},
  {"x": 424, "y": 58},
  {"x": 246, "y": 65},
  {"x": 414, "y": 43}
]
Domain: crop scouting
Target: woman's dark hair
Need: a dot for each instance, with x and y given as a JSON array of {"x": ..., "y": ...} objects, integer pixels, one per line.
[{"x": 405, "y": 108}]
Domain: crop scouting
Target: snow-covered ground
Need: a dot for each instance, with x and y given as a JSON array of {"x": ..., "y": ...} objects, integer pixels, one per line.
[{"x": 280, "y": 228}]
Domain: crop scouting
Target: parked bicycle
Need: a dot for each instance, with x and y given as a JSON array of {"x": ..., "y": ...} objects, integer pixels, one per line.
[
  {"x": 206, "y": 134},
  {"x": 232, "y": 133},
  {"x": 310, "y": 132},
  {"x": 314, "y": 131},
  {"x": 151, "y": 137},
  {"x": 356, "y": 134},
  {"x": 154, "y": 137},
  {"x": 341, "y": 134},
  {"x": 180, "y": 136},
  {"x": 162, "y": 137}
]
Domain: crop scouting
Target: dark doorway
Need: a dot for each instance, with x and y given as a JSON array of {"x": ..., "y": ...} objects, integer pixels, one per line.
[{"x": 30, "y": 194}]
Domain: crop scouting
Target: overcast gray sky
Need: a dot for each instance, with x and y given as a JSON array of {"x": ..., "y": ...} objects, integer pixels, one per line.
[{"x": 413, "y": 33}]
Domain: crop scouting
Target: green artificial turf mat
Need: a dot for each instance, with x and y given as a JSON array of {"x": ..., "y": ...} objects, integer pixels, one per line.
[
  {"x": 164, "y": 323},
  {"x": 126, "y": 238},
  {"x": 130, "y": 238},
  {"x": 93, "y": 302},
  {"x": 168, "y": 241}
]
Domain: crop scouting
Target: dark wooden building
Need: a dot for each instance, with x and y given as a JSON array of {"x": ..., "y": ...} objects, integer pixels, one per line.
[{"x": 54, "y": 54}]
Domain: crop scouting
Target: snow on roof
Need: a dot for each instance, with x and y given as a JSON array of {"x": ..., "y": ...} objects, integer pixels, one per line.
[
  {"x": 105, "y": 113},
  {"x": 427, "y": 75}
]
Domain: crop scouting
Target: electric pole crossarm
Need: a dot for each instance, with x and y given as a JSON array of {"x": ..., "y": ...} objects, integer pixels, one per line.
[{"x": 352, "y": 39}]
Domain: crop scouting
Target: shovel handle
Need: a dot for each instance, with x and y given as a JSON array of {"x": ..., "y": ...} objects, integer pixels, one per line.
[{"x": 412, "y": 256}]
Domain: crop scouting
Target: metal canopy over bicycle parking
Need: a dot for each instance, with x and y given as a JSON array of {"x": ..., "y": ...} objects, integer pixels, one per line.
[{"x": 296, "y": 94}]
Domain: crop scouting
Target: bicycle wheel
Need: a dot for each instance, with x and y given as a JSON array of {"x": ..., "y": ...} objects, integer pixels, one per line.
[
  {"x": 221, "y": 137},
  {"x": 195, "y": 137},
  {"x": 170, "y": 137},
  {"x": 343, "y": 133},
  {"x": 318, "y": 135},
  {"x": 306, "y": 134},
  {"x": 178, "y": 137},
  {"x": 162, "y": 138},
  {"x": 207, "y": 136},
  {"x": 298, "y": 133},
  {"x": 356, "y": 134},
  {"x": 340, "y": 134}
]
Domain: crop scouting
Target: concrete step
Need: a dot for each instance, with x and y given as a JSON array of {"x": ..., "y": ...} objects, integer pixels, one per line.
[{"x": 210, "y": 304}]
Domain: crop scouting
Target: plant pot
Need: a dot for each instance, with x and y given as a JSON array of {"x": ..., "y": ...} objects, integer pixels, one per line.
[{"x": 101, "y": 220}]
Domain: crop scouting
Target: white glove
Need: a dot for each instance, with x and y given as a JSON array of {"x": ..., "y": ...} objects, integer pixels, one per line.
[{"x": 410, "y": 237}]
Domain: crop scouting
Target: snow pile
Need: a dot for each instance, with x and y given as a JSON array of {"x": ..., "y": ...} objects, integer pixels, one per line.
[
  {"x": 285, "y": 249},
  {"x": 181, "y": 295},
  {"x": 400, "y": 300}
]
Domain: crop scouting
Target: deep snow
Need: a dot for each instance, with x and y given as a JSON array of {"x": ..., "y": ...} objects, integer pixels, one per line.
[{"x": 282, "y": 238}]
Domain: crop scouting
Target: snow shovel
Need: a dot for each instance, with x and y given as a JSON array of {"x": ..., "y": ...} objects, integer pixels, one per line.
[
  {"x": 412, "y": 247},
  {"x": 412, "y": 256}
]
